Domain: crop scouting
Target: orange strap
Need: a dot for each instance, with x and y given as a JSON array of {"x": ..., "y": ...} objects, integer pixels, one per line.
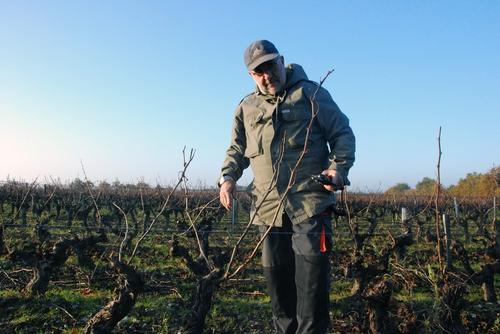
[{"x": 322, "y": 240}]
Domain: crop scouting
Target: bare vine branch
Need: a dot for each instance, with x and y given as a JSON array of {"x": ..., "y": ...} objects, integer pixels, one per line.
[
  {"x": 164, "y": 206},
  {"x": 438, "y": 193},
  {"x": 87, "y": 185},
  {"x": 126, "y": 231},
  {"x": 191, "y": 221},
  {"x": 32, "y": 185}
]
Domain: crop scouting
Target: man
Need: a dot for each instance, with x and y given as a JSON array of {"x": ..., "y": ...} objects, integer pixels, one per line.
[{"x": 269, "y": 133}]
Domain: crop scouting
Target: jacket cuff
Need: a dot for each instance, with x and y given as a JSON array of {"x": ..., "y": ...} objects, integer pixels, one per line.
[
  {"x": 223, "y": 179},
  {"x": 343, "y": 173}
]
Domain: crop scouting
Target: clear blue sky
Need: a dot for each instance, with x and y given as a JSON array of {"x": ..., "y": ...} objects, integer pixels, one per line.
[{"x": 124, "y": 85}]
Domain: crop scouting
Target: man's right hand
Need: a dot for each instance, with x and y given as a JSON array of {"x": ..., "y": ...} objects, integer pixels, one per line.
[{"x": 226, "y": 193}]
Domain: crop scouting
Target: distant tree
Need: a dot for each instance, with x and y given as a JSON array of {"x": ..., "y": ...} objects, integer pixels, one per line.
[
  {"x": 476, "y": 184},
  {"x": 104, "y": 186},
  {"x": 80, "y": 185},
  {"x": 493, "y": 178},
  {"x": 143, "y": 185},
  {"x": 467, "y": 186},
  {"x": 425, "y": 187},
  {"x": 398, "y": 189}
]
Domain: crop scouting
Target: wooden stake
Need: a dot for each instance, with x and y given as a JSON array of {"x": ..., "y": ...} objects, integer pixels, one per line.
[
  {"x": 438, "y": 192},
  {"x": 447, "y": 235}
]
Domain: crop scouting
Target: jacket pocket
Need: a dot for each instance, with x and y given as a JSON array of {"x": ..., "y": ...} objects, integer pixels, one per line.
[
  {"x": 295, "y": 122},
  {"x": 253, "y": 148},
  {"x": 254, "y": 136}
]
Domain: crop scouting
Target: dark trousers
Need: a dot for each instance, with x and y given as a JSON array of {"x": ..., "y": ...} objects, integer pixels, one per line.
[{"x": 296, "y": 268}]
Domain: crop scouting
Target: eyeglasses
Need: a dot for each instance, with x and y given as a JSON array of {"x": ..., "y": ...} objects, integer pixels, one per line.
[{"x": 268, "y": 66}]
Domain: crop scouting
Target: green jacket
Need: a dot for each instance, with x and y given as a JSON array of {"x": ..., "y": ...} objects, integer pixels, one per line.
[{"x": 267, "y": 127}]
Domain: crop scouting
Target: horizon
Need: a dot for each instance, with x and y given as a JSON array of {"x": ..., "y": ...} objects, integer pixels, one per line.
[{"x": 197, "y": 184}]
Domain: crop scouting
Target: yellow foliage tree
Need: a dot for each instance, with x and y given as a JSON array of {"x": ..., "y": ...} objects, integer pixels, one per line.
[{"x": 476, "y": 184}]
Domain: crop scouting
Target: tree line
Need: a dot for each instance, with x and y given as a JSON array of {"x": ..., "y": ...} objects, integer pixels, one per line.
[{"x": 472, "y": 185}]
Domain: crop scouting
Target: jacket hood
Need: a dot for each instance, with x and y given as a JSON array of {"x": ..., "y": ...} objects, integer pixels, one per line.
[{"x": 294, "y": 74}]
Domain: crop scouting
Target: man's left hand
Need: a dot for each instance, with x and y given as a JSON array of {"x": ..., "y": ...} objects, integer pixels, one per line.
[{"x": 336, "y": 178}]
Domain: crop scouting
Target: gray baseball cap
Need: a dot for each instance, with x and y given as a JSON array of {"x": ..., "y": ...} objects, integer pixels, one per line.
[{"x": 259, "y": 52}]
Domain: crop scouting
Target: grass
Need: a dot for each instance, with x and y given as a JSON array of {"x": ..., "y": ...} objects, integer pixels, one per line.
[
  {"x": 340, "y": 289},
  {"x": 239, "y": 306},
  {"x": 56, "y": 309}
]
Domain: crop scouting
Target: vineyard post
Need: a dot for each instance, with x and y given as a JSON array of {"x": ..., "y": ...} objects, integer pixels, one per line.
[
  {"x": 404, "y": 215},
  {"x": 447, "y": 235},
  {"x": 496, "y": 223},
  {"x": 497, "y": 231},
  {"x": 463, "y": 223},
  {"x": 494, "y": 209},
  {"x": 3, "y": 249},
  {"x": 405, "y": 220},
  {"x": 455, "y": 203}
]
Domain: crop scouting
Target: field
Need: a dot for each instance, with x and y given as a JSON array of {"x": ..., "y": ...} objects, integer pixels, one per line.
[{"x": 126, "y": 259}]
